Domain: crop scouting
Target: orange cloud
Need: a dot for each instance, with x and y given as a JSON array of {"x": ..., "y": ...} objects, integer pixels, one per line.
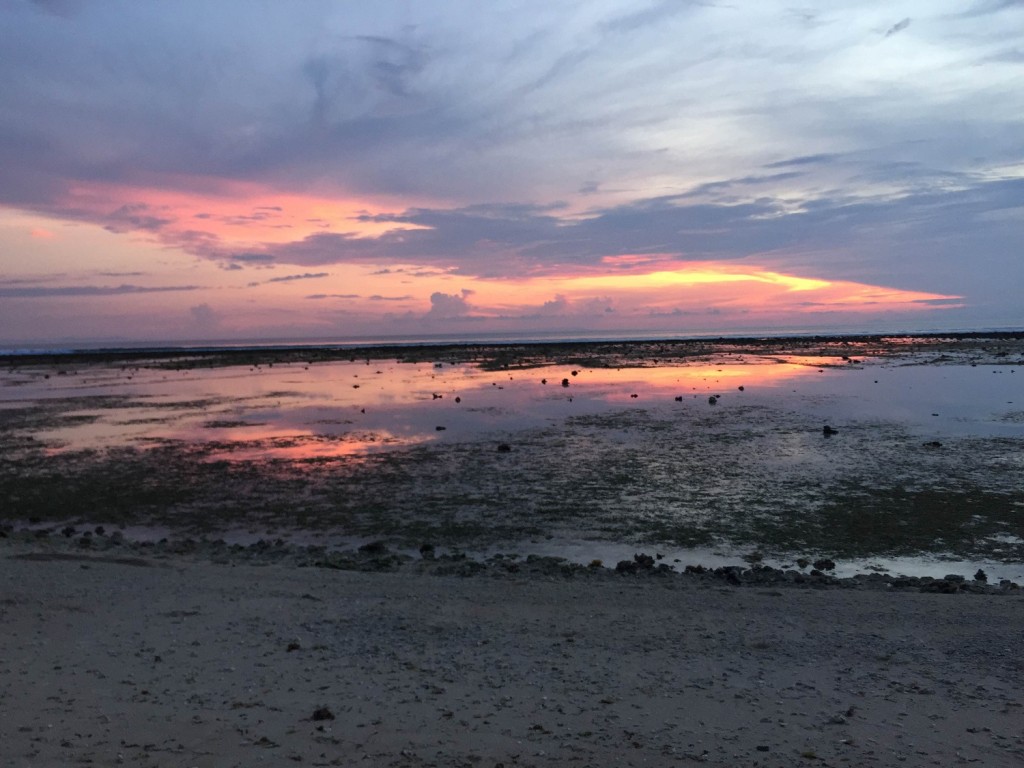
[
  {"x": 191, "y": 209},
  {"x": 697, "y": 286}
]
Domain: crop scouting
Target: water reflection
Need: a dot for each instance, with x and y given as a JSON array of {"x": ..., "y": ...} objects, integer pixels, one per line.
[{"x": 350, "y": 408}]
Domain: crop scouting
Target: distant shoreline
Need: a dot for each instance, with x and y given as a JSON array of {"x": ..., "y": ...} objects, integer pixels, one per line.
[{"x": 474, "y": 350}]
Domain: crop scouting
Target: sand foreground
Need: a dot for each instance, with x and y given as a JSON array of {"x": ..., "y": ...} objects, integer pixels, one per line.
[{"x": 151, "y": 662}]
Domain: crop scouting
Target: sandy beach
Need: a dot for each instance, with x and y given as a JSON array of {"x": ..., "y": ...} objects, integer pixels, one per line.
[{"x": 126, "y": 658}]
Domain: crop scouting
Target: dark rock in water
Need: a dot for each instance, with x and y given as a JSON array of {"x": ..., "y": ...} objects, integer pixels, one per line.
[
  {"x": 374, "y": 548},
  {"x": 427, "y": 551},
  {"x": 440, "y": 429},
  {"x": 458, "y": 399},
  {"x": 828, "y": 431},
  {"x": 437, "y": 396},
  {"x": 543, "y": 381},
  {"x": 953, "y": 577},
  {"x": 981, "y": 576},
  {"x": 740, "y": 388},
  {"x": 565, "y": 382},
  {"x": 824, "y": 564},
  {"x": 933, "y": 444},
  {"x": 695, "y": 569},
  {"x": 712, "y": 400},
  {"x": 69, "y": 531},
  {"x": 504, "y": 448},
  {"x": 634, "y": 395},
  {"x": 575, "y": 373},
  {"x": 293, "y": 647},
  {"x": 803, "y": 562},
  {"x": 100, "y": 530},
  {"x": 322, "y": 713},
  {"x": 626, "y": 566},
  {"x": 679, "y": 398}
]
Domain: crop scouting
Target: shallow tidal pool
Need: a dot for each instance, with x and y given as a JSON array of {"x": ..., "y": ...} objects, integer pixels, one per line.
[{"x": 920, "y": 466}]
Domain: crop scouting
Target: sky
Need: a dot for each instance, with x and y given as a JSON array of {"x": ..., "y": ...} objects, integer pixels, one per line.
[{"x": 268, "y": 170}]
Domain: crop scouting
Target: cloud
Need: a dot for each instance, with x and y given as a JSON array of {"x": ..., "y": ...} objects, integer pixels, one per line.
[
  {"x": 838, "y": 237},
  {"x": 892, "y": 162},
  {"x": 252, "y": 258},
  {"x": 87, "y": 290},
  {"x": 449, "y": 305},
  {"x": 899, "y": 26},
  {"x": 204, "y": 317},
  {"x": 292, "y": 278}
]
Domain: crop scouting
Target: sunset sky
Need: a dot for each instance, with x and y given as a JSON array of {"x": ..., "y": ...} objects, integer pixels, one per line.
[{"x": 266, "y": 170}]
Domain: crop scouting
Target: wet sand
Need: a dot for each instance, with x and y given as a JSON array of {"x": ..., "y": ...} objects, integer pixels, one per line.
[{"x": 136, "y": 659}]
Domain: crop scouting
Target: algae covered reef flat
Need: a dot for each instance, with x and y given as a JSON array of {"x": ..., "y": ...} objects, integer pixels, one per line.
[{"x": 856, "y": 448}]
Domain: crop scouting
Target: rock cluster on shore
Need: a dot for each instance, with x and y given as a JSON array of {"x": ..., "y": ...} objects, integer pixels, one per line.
[{"x": 378, "y": 556}]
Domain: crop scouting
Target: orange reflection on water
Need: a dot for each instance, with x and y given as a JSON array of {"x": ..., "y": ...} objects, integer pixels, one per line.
[
  {"x": 617, "y": 384},
  {"x": 261, "y": 443}
]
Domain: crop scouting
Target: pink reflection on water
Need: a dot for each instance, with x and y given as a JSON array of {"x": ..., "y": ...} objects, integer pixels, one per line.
[{"x": 347, "y": 409}]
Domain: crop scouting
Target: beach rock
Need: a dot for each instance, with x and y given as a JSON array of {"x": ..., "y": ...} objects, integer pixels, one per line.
[
  {"x": 504, "y": 448},
  {"x": 712, "y": 400},
  {"x": 824, "y": 564},
  {"x": 374, "y": 548},
  {"x": 626, "y": 566},
  {"x": 828, "y": 431},
  {"x": 427, "y": 551},
  {"x": 454, "y": 565},
  {"x": 643, "y": 560},
  {"x": 565, "y": 382},
  {"x": 954, "y": 577},
  {"x": 940, "y": 586},
  {"x": 981, "y": 576},
  {"x": 803, "y": 562},
  {"x": 322, "y": 713},
  {"x": 679, "y": 398},
  {"x": 933, "y": 444}
]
